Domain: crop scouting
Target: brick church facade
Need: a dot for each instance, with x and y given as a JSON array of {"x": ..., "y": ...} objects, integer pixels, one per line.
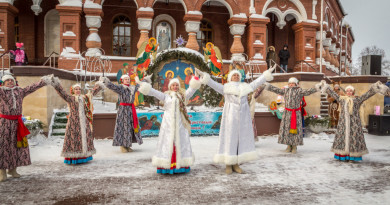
[{"x": 242, "y": 29}]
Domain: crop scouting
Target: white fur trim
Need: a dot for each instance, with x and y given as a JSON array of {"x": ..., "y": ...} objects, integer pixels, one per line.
[
  {"x": 47, "y": 79},
  {"x": 7, "y": 77},
  {"x": 12, "y": 93},
  {"x": 56, "y": 81},
  {"x": 205, "y": 78},
  {"x": 268, "y": 75},
  {"x": 76, "y": 85},
  {"x": 101, "y": 84},
  {"x": 125, "y": 76},
  {"x": 242, "y": 89},
  {"x": 161, "y": 162},
  {"x": 195, "y": 84},
  {"x": 144, "y": 88},
  {"x": 173, "y": 80},
  {"x": 83, "y": 126},
  {"x": 231, "y": 73},
  {"x": 78, "y": 155},
  {"x": 235, "y": 159},
  {"x": 293, "y": 80},
  {"x": 352, "y": 154},
  {"x": 350, "y": 87},
  {"x": 105, "y": 80}
]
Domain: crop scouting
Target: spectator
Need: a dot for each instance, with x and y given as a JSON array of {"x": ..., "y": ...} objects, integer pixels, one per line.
[{"x": 284, "y": 55}]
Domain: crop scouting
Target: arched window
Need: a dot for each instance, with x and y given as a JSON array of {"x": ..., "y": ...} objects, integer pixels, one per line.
[
  {"x": 121, "y": 34},
  {"x": 205, "y": 34}
]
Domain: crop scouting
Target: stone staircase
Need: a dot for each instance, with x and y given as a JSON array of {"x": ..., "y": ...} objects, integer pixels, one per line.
[
  {"x": 58, "y": 124},
  {"x": 324, "y": 105}
]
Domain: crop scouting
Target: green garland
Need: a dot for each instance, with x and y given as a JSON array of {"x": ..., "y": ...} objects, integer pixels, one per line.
[{"x": 188, "y": 57}]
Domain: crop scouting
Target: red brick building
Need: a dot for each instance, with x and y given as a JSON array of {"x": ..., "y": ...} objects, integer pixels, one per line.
[{"x": 242, "y": 29}]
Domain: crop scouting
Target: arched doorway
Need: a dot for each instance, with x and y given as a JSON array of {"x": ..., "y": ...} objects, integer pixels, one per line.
[
  {"x": 52, "y": 32},
  {"x": 280, "y": 33}
]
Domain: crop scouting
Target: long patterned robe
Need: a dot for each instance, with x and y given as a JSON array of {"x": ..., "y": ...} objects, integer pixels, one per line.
[
  {"x": 173, "y": 131},
  {"x": 236, "y": 137},
  {"x": 78, "y": 142},
  {"x": 292, "y": 97},
  {"x": 124, "y": 134},
  {"x": 11, "y": 100},
  {"x": 333, "y": 110},
  {"x": 349, "y": 139}
]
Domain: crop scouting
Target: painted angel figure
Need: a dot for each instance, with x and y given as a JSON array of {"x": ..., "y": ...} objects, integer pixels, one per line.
[{"x": 214, "y": 54}]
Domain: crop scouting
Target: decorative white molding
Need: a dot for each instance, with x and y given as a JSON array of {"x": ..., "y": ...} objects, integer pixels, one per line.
[
  {"x": 332, "y": 47},
  {"x": 75, "y": 3},
  {"x": 192, "y": 26},
  {"x": 94, "y": 37},
  {"x": 282, "y": 15},
  {"x": 302, "y": 11},
  {"x": 237, "y": 29},
  {"x": 327, "y": 42},
  {"x": 7, "y": 1},
  {"x": 258, "y": 42},
  {"x": 69, "y": 33},
  {"x": 144, "y": 23},
  {"x": 36, "y": 7},
  {"x": 258, "y": 56},
  {"x": 93, "y": 21},
  {"x": 238, "y": 57},
  {"x": 337, "y": 52},
  {"x": 252, "y": 9},
  {"x": 314, "y": 16},
  {"x": 90, "y": 4}
]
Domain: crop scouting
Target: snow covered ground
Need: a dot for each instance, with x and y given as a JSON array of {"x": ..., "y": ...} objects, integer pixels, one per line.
[{"x": 311, "y": 176}]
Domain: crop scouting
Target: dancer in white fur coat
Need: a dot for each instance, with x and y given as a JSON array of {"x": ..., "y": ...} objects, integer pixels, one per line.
[
  {"x": 236, "y": 142},
  {"x": 174, "y": 153}
]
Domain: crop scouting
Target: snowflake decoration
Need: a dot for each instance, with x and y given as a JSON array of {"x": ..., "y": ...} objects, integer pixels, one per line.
[{"x": 180, "y": 41}]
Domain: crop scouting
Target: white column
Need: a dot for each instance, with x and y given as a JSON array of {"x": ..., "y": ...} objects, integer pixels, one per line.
[
  {"x": 93, "y": 41},
  {"x": 237, "y": 49}
]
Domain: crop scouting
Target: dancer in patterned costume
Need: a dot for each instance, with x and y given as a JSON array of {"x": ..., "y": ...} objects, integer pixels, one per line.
[
  {"x": 290, "y": 131},
  {"x": 333, "y": 109},
  {"x": 14, "y": 151},
  {"x": 78, "y": 145},
  {"x": 127, "y": 129},
  {"x": 174, "y": 153},
  {"x": 349, "y": 143},
  {"x": 236, "y": 141}
]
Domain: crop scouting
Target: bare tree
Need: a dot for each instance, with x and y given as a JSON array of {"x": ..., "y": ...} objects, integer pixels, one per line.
[{"x": 371, "y": 50}]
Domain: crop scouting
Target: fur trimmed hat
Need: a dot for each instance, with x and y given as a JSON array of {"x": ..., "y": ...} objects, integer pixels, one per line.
[
  {"x": 293, "y": 80},
  {"x": 173, "y": 80},
  {"x": 231, "y": 73},
  {"x": 125, "y": 76},
  {"x": 8, "y": 77},
  {"x": 350, "y": 87}
]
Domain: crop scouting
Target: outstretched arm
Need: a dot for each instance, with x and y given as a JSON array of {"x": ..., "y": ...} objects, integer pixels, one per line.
[
  {"x": 267, "y": 76},
  {"x": 206, "y": 79},
  {"x": 116, "y": 88},
  {"x": 146, "y": 89},
  {"x": 306, "y": 92},
  {"x": 258, "y": 91},
  {"x": 274, "y": 89},
  {"x": 45, "y": 80},
  {"x": 60, "y": 90},
  {"x": 194, "y": 85},
  {"x": 97, "y": 88},
  {"x": 375, "y": 88}
]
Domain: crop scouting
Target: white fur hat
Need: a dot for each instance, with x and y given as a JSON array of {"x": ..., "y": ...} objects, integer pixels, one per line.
[
  {"x": 125, "y": 76},
  {"x": 293, "y": 80},
  {"x": 76, "y": 85},
  {"x": 173, "y": 80},
  {"x": 7, "y": 77},
  {"x": 350, "y": 87},
  {"x": 231, "y": 73}
]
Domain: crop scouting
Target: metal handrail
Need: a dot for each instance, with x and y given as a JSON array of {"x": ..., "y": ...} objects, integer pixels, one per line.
[
  {"x": 49, "y": 59},
  {"x": 277, "y": 65},
  {"x": 2, "y": 61},
  {"x": 303, "y": 61}
]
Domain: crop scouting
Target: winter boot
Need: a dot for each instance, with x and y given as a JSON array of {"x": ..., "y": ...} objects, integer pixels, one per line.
[
  {"x": 288, "y": 149},
  {"x": 237, "y": 169},
  {"x": 129, "y": 149},
  {"x": 229, "y": 169},
  {"x": 3, "y": 175},
  {"x": 13, "y": 173},
  {"x": 124, "y": 149},
  {"x": 294, "y": 149}
]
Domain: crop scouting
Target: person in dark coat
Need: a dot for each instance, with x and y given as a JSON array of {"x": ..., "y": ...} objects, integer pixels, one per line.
[
  {"x": 284, "y": 55},
  {"x": 271, "y": 57}
]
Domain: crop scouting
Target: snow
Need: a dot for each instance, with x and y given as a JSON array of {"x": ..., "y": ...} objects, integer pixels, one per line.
[
  {"x": 145, "y": 9},
  {"x": 311, "y": 176},
  {"x": 119, "y": 58},
  {"x": 90, "y": 4},
  {"x": 76, "y": 3},
  {"x": 69, "y": 33},
  {"x": 258, "y": 56},
  {"x": 258, "y": 16},
  {"x": 187, "y": 50},
  {"x": 258, "y": 42},
  {"x": 241, "y": 15},
  {"x": 195, "y": 12},
  {"x": 260, "y": 107}
]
